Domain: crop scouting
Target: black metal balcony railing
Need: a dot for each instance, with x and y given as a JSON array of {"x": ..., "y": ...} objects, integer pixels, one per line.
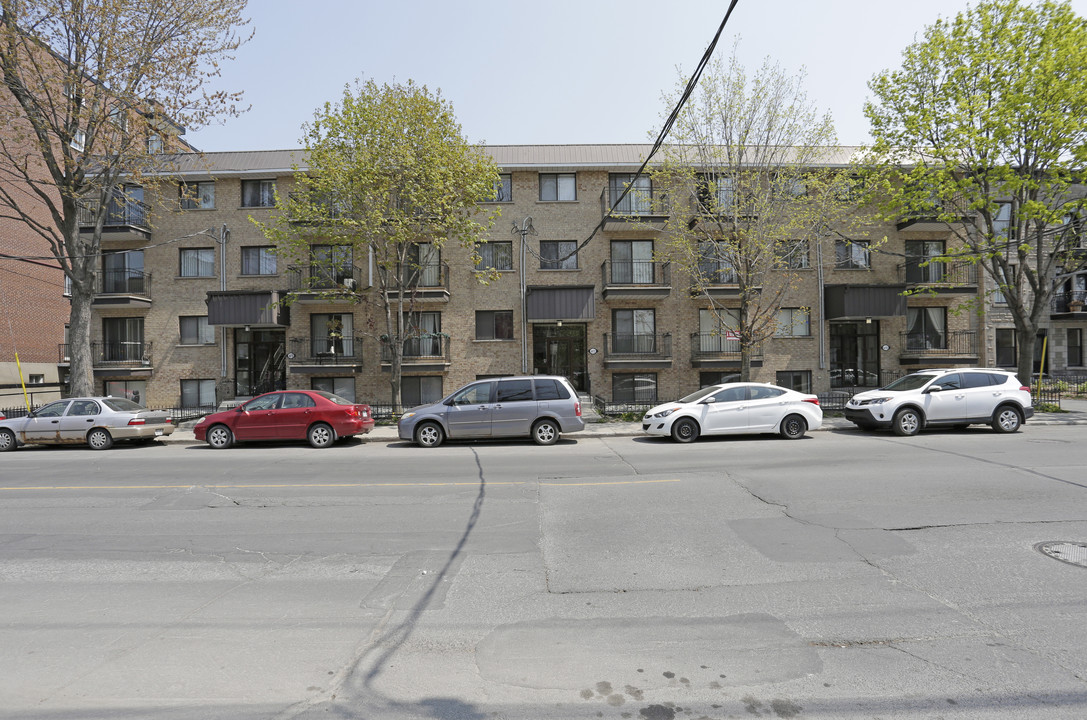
[
  {"x": 428, "y": 347},
  {"x": 939, "y": 273},
  {"x": 716, "y": 272},
  {"x": 635, "y": 272},
  {"x": 719, "y": 345},
  {"x": 318, "y": 208},
  {"x": 122, "y": 212},
  {"x": 122, "y": 352},
  {"x": 124, "y": 282},
  {"x": 639, "y": 202},
  {"x": 1069, "y": 301},
  {"x": 638, "y": 344},
  {"x": 62, "y": 354},
  {"x": 323, "y": 277},
  {"x": 956, "y": 343},
  {"x": 327, "y": 348},
  {"x": 428, "y": 276}
]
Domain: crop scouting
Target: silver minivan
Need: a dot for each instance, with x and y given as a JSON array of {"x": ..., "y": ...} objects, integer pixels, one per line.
[{"x": 540, "y": 406}]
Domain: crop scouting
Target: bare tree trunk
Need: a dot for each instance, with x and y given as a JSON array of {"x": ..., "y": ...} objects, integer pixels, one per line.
[{"x": 81, "y": 367}]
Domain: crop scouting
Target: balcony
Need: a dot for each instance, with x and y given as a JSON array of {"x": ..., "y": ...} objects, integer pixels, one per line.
[
  {"x": 423, "y": 283},
  {"x": 324, "y": 353},
  {"x": 317, "y": 209},
  {"x": 322, "y": 282},
  {"x": 126, "y": 220},
  {"x": 637, "y": 350},
  {"x": 429, "y": 352},
  {"x": 121, "y": 354},
  {"x": 1069, "y": 303},
  {"x": 641, "y": 208},
  {"x": 635, "y": 279},
  {"x": 123, "y": 289},
  {"x": 927, "y": 221},
  {"x": 63, "y": 354},
  {"x": 720, "y": 350},
  {"x": 941, "y": 277},
  {"x": 959, "y": 346},
  {"x": 716, "y": 279}
]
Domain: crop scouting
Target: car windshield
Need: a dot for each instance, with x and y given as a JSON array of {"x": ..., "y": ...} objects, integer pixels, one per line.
[
  {"x": 696, "y": 396},
  {"x": 121, "y": 404},
  {"x": 910, "y": 382}
]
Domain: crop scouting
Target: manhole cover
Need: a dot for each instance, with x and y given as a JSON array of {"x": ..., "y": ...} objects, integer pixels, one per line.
[{"x": 1072, "y": 553}]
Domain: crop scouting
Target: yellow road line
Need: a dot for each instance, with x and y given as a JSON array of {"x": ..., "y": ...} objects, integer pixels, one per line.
[{"x": 490, "y": 483}]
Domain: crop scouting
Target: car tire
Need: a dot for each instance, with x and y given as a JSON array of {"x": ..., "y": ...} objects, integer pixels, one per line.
[
  {"x": 906, "y": 422},
  {"x": 219, "y": 437},
  {"x": 545, "y": 432},
  {"x": 99, "y": 439},
  {"x": 320, "y": 435},
  {"x": 685, "y": 430},
  {"x": 429, "y": 435},
  {"x": 1007, "y": 419},
  {"x": 793, "y": 427},
  {"x": 7, "y": 440}
]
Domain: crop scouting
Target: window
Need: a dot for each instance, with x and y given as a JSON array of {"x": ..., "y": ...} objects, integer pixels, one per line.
[
  {"x": 919, "y": 265},
  {"x": 422, "y": 390},
  {"x": 258, "y": 261},
  {"x": 331, "y": 265},
  {"x": 718, "y": 332},
  {"x": 496, "y": 255},
  {"x": 639, "y": 198},
  {"x": 342, "y": 386},
  {"x": 79, "y": 141},
  {"x": 1075, "y": 347},
  {"x": 197, "y": 196},
  {"x": 799, "y": 380},
  {"x": 119, "y": 118},
  {"x": 705, "y": 379},
  {"x": 635, "y": 331},
  {"x": 503, "y": 189},
  {"x": 424, "y": 265},
  {"x": 197, "y": 262},
  {"x": 1002, "y": 221},
  {"x": 714, "y": 267},
  {"x": 793, "y": 254},
  {"x": 494, "y": 324},
  {"x": 196, "y": 331},
  {"x": 122, "y": 339},
  {"x": 424, "y": 332},
  {"x": 793, "y": 322},
  {"x": 154, "y": 145},
  {"x": 122, "y": 272},
  {"x": 634, "y": 387},
  {"x": 258, "y": 193},
  {"x": 514, "y": 390},
  {"x": 999, "y": 296},
  {"x": 558, "y": 187},
  {"x": 716, "y": 194},
  {"x": 558, "y": 255},
  {"x": 550, "y": 389},
  {"x": 134, "y": 390},
  {"x": 197, "y": 393},
  {"x": 67, "y": 286},
  {"x": 632, "y": 262},
  {"x": 36, "y": 379},
  {"x": 332, "y": 334},
  {"x": 851, "y": 254},
  {"x": 926, "y": 328}
]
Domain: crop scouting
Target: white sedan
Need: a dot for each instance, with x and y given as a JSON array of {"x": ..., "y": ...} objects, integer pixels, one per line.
[{"x": 734, "y": 408}]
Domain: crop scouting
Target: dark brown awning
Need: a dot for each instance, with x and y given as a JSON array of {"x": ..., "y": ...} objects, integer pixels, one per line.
[
  {"x": 246, "y": 307},
  {"x": 561, "y": 303},
  {"x": 863, "y": 301}
]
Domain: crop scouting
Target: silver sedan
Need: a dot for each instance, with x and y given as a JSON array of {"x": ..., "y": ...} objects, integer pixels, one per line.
[{"x": 95, "y": 421}]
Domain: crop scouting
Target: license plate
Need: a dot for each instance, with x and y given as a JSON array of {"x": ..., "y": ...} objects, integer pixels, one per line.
[{"x": 158, "y": 432}]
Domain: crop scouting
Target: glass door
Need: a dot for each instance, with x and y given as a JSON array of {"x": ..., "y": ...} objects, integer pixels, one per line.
[
  {"x": 854, "y": 354},
  {"x": 560, "y": 350}
]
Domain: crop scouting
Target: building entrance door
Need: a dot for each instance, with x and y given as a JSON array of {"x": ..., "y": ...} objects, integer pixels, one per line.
[
  {"x": 260, "y": 361},
  {"x": 854, "y": 354},
  {"x": 560, "y": 350}
]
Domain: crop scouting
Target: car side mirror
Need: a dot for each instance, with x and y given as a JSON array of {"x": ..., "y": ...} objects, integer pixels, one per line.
[
  {"x": 934, "y": 388},
  {"x": 710, "y": 400},
  {"x": 449, "y": 402}
]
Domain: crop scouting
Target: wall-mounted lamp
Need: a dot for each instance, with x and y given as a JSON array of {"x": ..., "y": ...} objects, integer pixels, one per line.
[
  {"x": 868, "y": 321},
  {"x": 247, "y": 328},
  {"x": 559, "y": 323}
]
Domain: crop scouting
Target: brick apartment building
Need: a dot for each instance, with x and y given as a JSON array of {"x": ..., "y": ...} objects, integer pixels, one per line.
[{"x": 225, "y": 317}]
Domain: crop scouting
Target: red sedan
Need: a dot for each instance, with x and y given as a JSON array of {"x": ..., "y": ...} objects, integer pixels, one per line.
[{"x": 314, "y": 415}]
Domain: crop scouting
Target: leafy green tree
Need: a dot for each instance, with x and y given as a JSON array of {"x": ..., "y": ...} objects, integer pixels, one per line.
[
  {"x": 389, "y": 174},
  {"x": 984, "y": 127},
  {"x": 87, "y": 92},
  {"x": 754, "y": 188}
]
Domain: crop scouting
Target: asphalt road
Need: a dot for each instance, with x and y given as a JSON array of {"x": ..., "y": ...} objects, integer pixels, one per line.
[{"x": 845, "y": 575}]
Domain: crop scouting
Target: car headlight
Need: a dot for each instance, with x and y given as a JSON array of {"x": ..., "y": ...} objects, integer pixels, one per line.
[
  {"x": 664, "y": 413},
  {"x": 874, "y": 401},
  {"x": 405, "y": 416},
  {"x": 202, "y": 420}
]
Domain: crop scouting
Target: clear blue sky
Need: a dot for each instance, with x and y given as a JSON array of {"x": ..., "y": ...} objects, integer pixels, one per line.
[{"x": 563, "y": 71}]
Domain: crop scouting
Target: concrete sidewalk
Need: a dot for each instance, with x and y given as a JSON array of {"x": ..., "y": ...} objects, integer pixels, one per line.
[{"x": 1075, "y": 414}]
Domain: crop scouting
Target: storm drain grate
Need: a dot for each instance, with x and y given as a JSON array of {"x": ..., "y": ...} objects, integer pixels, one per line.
[{"x": 1070, "y": 552}]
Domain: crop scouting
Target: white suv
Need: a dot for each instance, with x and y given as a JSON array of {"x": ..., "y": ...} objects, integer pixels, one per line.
[{"x": 951, "y": 397}]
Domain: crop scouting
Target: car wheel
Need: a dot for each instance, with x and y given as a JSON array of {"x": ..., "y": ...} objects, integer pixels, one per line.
[
  {"x": 685, "y": 430},
  {"x": 219, "y": 437},
  {"x": 7, "y": 440},
  {"x": 320, "y": 435},
  {"x": 1007, "y": 420},
  {"x": 99, "y": 439},
  {"x": 545, "y": 432},
  {"x": 429, "y": 435},
  {"x": 793, "y": 427},
  {"x": 906, "y": 422}
]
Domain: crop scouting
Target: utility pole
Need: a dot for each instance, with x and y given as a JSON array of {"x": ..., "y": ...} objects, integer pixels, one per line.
[{"x": 525, "y": 230}]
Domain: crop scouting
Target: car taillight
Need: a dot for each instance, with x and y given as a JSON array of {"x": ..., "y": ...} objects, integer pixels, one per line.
[
  {"x": 137, "y": 421},
  {"x": 812, "y": 400},
  {"x": 1025, "y": 389},
  {"x": 577, "y": 408}
]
